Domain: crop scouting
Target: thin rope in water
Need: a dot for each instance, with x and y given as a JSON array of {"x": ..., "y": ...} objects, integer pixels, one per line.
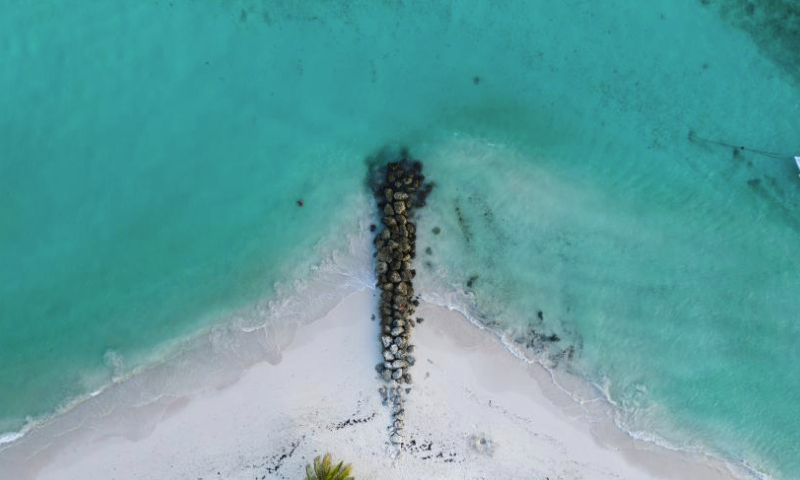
[{"x": 693, "y": 137}]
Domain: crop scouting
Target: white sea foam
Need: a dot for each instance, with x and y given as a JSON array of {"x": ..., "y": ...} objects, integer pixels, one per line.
[{"x": 9, "y": 437}]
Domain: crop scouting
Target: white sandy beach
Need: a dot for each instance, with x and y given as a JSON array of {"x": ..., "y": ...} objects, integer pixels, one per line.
[{"x": 475, "y": 411}]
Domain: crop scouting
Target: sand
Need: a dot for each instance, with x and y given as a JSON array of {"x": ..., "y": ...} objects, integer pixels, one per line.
[{"x": 475, "y": 411}]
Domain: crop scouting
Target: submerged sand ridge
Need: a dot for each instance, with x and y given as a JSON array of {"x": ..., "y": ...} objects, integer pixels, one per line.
[{"x": 401, "y": 189}]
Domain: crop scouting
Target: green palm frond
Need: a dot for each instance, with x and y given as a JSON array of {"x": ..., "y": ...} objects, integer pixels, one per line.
[{"x": 323, "y": 470}]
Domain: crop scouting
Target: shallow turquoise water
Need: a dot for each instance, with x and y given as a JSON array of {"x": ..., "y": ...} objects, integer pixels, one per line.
[{"x": 152, "y": 156}]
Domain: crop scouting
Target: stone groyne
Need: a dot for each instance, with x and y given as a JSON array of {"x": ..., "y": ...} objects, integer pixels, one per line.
[{"x": 399, "y": 189}]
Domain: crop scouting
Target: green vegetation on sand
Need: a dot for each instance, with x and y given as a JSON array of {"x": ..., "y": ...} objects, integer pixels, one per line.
[{"x": 324, "y": 470}]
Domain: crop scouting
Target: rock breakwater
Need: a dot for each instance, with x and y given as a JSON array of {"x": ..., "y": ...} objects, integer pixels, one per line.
[{"x": 400, "y": 189}]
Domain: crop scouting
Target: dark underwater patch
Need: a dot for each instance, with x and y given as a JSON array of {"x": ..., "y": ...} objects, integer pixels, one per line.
[{"x": 773, "y": 25}]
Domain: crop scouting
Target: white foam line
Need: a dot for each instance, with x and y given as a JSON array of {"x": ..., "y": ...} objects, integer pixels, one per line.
[{"x": 9, "y": 437}]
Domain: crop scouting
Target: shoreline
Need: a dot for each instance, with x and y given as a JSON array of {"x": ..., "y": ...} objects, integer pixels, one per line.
[{"x": 257, "y": 416}]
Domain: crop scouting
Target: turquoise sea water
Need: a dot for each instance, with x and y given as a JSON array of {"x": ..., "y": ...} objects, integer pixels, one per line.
[{"x": 151, "y": 156}]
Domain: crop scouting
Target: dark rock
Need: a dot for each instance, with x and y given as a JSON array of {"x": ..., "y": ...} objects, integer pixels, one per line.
[
  {"x": 399, "y": 364},
  {"x": 402, "y": 289},
  {"x": 436, "y": 230}
]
